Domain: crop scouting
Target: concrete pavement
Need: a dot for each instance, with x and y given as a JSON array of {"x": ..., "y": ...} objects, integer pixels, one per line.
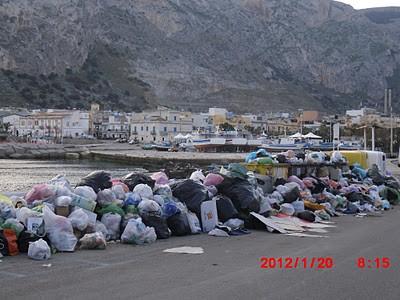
[{"x": 229, "y": 268}]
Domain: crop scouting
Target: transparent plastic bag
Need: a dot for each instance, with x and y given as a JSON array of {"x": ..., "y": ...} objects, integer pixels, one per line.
[
  {"x": 106, "y": 197},
  {"x": 136, "y": 232},
  {"x": 86, "y": 192},
  {"x": 39, "y": 250},
  {"x": 149, "y": 207},
  {"x": 144, "y": 191},
  {"x": 112, "y": 222},
  {"x": 119, "y": 192},
  {"x": 79, "y": 219},
  {"x": 93, "y": 241},
  {"x": 101, "y": 228},
  {"x": 60, "y": 231}
]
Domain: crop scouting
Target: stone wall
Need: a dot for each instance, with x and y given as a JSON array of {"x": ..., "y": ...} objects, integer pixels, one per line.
[{"x": 35, "y": 151}]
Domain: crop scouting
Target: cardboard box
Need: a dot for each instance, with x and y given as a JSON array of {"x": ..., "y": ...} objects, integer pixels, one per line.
[{"x": 62, "y": 211}]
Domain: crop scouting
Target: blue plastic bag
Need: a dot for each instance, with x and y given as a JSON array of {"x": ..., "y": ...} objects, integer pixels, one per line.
[
  {"x": 170, "y": 209},
  {"x": 132, "y": 199}
]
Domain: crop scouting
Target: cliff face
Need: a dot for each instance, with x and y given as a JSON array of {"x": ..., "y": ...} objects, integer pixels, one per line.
[{"x": 247, "y": 55}]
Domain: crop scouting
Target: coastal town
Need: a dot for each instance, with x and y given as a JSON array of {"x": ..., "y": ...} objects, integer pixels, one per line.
[
  {"x": 198, "y": 149},
  {"x": 366, "y": 128}
]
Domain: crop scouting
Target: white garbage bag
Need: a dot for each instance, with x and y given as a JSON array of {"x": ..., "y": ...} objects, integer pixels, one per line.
[
  {"x": 60, "y": 231},
  {"x": 119, "y": 192},
  {"x": 79, "y": 219},
  {"x": 147, "y": 207},
  {"x": 86, "y": 192},
  {"x": 100, "y": 227},
  {"x": 198, "y": 176},
  {"x": 106, "y": 197},
  {"x": 194, "y": 223},
  {"x": 112, "y": 222},
  {"x": 144, "y": 191},
  {"x": 39, "y": 250},
  {"x": 137, "y": 233}
]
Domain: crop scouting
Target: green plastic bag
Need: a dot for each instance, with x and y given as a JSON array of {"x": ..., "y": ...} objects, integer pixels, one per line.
[
  {"x": 392, "y": 195},
  {"x": 131, "y": 209},
  {"x": 238, "y": 171},
  {"x": 112, "y": 208}
]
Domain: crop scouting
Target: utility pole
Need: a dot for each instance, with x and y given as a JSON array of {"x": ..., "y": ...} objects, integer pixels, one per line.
[
  {"x": 373, "y": 137},
  {"x": 391, "y": 123},
  {"x": 365, "y": 137}
]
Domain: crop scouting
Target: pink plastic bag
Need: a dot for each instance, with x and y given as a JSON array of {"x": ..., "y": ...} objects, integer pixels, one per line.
[
  {"x": 213, "y": 179},
  {"x": 160, "y": 178},
  {"x": 119, "y": 182},
  {"x": 40, "y": 192},
  {"x": 298, "y": 181}
]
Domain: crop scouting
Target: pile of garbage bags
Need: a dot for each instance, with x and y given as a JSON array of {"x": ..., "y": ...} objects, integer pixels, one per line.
[{"x": 141, "y": 208}]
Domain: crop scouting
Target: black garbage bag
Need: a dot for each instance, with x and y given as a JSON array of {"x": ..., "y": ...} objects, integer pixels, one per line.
[
  {"x": 27, "y": 237},
  {"x": 306, "y": 215},
  {"x": 159, "y": 224},
  {"x": 97, "y": 180},
  {"x": 191, "y": 193},
  {"x": 225, "y": 208},
  {"x": 375, "y": 175},
  {"x": 179, "y": 224},
  {"x": 354, "y": 197},
  {"x": 280, "y": 181},
  {"x": 251, "y": 222},
  {"x": 241, "y": 192},
  {"x": 291, "y": 195},
  {"x": 133, "y": 179},
  {"x": 281, "y": 158},
  {"x": 392, "y": 183}
]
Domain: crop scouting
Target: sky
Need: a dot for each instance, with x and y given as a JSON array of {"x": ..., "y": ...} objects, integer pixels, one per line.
[{"x": 359, "y": 4}]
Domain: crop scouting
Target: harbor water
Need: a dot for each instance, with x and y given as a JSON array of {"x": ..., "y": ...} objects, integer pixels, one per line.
[{"x": 21, "y": 175}]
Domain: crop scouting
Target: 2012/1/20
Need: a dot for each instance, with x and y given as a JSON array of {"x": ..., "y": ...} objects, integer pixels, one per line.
[{"x": 296, "y": 263}]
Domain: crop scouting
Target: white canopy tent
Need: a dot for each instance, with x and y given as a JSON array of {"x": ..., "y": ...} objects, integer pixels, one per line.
[
  {"x": 296, "y": 136},
  {"x": 312, "y": 136},
  {"x": 179, "y": 136}
]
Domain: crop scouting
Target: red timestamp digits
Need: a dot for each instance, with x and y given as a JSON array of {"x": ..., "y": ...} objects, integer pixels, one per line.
[
  {"x": 296, "y": 263},
  {"x": 373, "y": 263}
]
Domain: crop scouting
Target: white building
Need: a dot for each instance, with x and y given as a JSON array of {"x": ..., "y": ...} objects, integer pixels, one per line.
[
  {"x": 161, "y": 125},
  {"x": 202, "y": 123},
  {"x": 54, "y": 124},
  {"x": 115, "y": 125}
]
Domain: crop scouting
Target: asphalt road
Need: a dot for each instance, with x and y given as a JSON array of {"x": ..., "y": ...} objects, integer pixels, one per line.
[{"x": 228, "y": 269}]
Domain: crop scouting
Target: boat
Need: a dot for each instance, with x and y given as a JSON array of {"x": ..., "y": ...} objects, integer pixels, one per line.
[
  {"x": 162, "y": 147},
  {"x": 148, "y": 147},
  {"x": 283, "y": 147}
]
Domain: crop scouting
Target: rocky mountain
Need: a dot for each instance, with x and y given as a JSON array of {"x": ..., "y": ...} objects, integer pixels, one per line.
[{"x": 246, "y": 55}]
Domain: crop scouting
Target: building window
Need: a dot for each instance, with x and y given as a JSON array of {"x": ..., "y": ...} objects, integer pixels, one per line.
[
  {"x": 174, "y": 129},
  {"x": 154, "y": 128},
  {"x": 142, "y": 138},
  {"x": 141, "y": 128},
  {"x": 174, "y": 118},
  {"x": 165, "y": 129},
  {"x": 147, "y": 128},
  {"x": 154, "y": 138},
  {"x": 135, "y": 129}
]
